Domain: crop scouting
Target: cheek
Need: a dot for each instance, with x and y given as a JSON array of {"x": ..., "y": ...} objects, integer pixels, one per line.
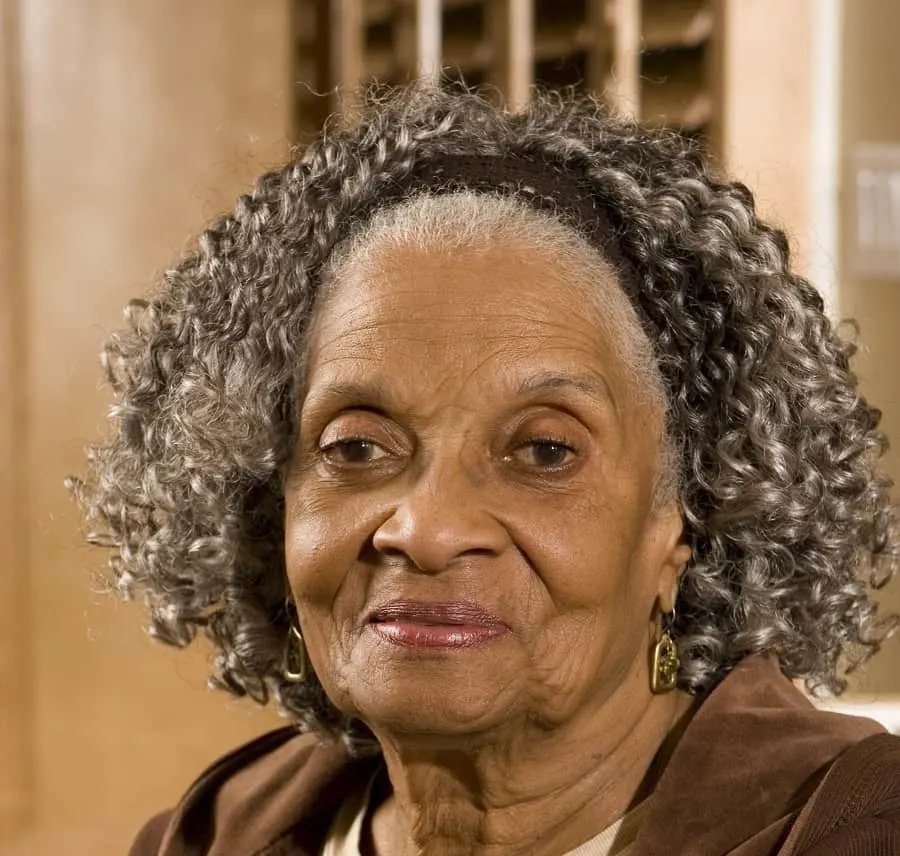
[
  {"x": 585, "y": 546},
  {"x": 322, "y": 541},
  {"x": 593, "y": 559}
]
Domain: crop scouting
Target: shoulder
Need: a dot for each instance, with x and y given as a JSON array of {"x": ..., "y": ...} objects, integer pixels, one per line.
[
  {"x": 277, "y": 784},
  {"x": 149, "y": 839},
  {"x": 856, "y": 809}
]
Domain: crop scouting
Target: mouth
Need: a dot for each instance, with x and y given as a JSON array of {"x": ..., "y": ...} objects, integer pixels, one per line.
[{"x": 445, "y": 625}]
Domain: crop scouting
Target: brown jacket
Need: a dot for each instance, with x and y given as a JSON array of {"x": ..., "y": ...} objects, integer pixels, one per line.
[{"x": 758, "y": 772}]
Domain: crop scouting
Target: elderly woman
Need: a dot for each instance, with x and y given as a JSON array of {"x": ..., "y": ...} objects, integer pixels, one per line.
[{"x": 506, "y": 451}]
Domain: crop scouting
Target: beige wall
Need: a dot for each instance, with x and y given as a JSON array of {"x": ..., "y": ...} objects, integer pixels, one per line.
[
  {"x": 870, "y": 112},
  {"x": 138, "y": 121}
]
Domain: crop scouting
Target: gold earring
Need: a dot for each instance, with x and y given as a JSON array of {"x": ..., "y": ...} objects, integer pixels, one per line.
[
  {"x": 665, "y": 662},
  {"x": 295, "y": 668}
]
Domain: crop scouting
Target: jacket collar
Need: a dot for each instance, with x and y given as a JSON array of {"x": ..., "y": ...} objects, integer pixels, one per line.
[
  {"x": 276, "y": 796},
  {"x": 750, "y": 757}
]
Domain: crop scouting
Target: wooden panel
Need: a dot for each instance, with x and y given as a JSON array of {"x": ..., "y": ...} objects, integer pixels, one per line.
[
  {"x": 347, "y": 44},
  {"x": 511, "y": 44},
  {"x": 715, "y": 78},
  {"x": 674, "y": 89},
  {"x": 143, "y": 120},
  {"x": 766, "y": 124},
  {"x": 677, "y": 88},
  {"x": 600, "y": 57},
  {"x": 428, "y": 38},
  {"x": 15, "y": 665},
  {"x": 403, "y": 48},
  {"x": 675, "y": 23},
  {"x": 467, "y": 51},
  {"x": 624, "y": 90},
  {"x": 510, "y": 27}
]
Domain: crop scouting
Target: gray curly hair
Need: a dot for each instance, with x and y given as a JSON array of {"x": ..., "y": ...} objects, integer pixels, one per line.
[{"x": 789, "y": 519}]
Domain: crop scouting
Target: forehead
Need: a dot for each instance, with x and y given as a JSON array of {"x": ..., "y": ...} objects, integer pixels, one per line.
[{"x": 499, "y": 296}]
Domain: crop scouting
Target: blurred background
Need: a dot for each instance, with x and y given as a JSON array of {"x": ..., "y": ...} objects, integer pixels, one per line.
[{"x": 125, "y": 124}]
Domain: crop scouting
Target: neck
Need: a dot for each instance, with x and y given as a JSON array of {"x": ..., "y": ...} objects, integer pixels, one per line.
[{"x": 536, "y": 792}]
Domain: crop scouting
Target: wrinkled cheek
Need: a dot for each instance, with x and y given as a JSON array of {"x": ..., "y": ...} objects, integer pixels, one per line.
[
  {"x": 311, "y": 566},
  {"x": 578, "y": 661},
  {"x": 565, "y": 655},
  {"x": 324, "y": 576},
  {"x": 318, "y": 549}
]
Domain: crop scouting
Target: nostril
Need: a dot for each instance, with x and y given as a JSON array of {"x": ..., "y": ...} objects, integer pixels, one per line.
[{"x": 432, "y": 537}]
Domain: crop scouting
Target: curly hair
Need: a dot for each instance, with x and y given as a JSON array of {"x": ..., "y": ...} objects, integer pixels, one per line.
[{"x": 788, "y": 516}]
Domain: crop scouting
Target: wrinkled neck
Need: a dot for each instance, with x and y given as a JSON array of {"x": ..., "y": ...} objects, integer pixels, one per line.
[{"x": 535, "y": 792}]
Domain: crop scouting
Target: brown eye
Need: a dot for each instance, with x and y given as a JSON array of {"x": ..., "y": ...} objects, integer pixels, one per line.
[
  {"x": 353, "y": 451},
  {"x": 544, "y": 454}
]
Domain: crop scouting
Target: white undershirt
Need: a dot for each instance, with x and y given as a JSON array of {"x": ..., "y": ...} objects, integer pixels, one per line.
[{"x": 346, "y": 830}]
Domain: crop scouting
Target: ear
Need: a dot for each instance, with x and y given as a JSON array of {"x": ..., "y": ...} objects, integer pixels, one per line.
[{"x": 673, "y": 556}]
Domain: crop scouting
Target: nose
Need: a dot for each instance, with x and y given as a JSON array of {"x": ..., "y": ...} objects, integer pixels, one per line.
[{"x": 441, "y": 519}]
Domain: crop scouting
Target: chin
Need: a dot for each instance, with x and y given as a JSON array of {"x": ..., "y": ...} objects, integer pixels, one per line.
[{"x": 433, "y": 715}]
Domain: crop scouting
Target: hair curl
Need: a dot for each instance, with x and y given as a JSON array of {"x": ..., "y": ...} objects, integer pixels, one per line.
[{"x": 788, "y": 516}]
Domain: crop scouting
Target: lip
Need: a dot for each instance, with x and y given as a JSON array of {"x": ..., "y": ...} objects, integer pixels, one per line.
[{"x": 436, "y": 625}]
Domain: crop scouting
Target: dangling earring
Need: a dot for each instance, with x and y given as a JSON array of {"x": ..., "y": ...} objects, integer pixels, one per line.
[
  {"x": 665, "y": 662},
  {"x": 295, "y": 667}
]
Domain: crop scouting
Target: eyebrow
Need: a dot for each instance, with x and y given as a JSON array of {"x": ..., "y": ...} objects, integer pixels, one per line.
[
  {"x": 593, "y": 386},
  {"x": 376, "y": 398},
  {"x": 346, "y": 391}
]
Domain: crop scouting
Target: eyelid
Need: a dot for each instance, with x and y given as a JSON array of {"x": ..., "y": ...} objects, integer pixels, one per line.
[
  {"x": 551, "y": 426},
  {"x": 549, "y": 437},
  {"x": 346, "y": 441},
  {"x": 549, "y": 423},
  {"x": 345, "y": 437},
  {"x": 348, "y": 423},
  {"x": 362, "y": 426}
]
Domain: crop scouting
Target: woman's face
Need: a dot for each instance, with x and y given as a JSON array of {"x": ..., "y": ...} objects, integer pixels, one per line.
[{"x": 471, "y": 535}]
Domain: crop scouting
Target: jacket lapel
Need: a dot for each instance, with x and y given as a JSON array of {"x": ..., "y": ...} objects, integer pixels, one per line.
[
  {"x": 275, "y": 796},
  {"x": 753, "y": 754}
]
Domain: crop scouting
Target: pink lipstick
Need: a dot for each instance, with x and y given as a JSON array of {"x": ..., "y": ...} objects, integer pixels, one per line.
[{"x": 416, "y": 624}]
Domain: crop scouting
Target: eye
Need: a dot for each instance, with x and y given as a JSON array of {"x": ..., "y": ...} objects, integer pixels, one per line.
[
  {"x": 353, "y": 451},
  {"x": 544, "y": 453}
]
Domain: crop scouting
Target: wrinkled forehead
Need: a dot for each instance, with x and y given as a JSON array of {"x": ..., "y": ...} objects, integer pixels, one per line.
[
  {"x": 408, "y": 257},
  {"x": 531, "y": 253},
  {"x": 488, "y": 314},
  {"x": 500, "y": 296}
]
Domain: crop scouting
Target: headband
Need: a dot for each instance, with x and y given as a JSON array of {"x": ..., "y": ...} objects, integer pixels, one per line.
[{"x": 543, "y": 186}]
